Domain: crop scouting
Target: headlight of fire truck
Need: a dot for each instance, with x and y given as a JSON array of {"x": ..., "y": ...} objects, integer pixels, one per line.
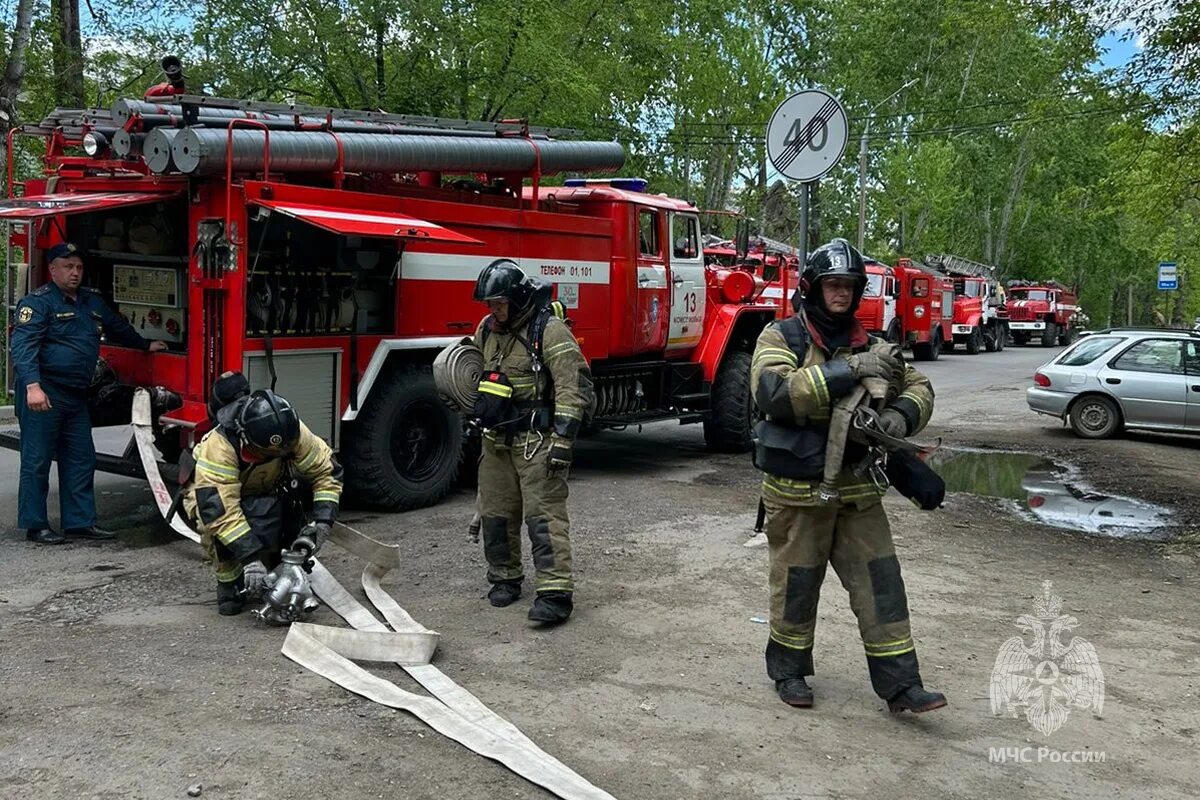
[
  {"x": 919, "y": 311},
  {"x": 95, "y": 143}
]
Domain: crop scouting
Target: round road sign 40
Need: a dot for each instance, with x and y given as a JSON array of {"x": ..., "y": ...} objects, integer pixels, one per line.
[{"x": 807, "y": 135}]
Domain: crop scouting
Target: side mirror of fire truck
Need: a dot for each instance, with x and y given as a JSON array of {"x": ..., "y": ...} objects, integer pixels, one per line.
[{"x": 742, "y": 239}]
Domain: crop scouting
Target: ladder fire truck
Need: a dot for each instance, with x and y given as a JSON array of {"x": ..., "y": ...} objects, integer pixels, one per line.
[
  {"x": 980, "y": 318},
  {"x": 332, "y": 253}
]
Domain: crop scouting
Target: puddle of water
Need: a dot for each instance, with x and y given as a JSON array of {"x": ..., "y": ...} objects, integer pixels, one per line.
[{"x": 1050, "y": 492}]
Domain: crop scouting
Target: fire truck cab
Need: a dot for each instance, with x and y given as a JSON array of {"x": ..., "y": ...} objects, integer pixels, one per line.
[{"x": 331, "y": 254}]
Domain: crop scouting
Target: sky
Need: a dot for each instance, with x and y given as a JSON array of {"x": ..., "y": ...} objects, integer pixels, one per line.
[{"x": 1119, "y": 51}]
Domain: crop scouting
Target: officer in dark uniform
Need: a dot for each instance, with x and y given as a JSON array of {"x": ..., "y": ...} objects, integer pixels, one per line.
[{"x": 55, "y": 345}]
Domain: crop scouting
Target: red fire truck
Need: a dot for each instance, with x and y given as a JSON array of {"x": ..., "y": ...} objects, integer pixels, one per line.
[
  {"x": 331, "y": 254},
  {"x": 1045, "y": 311},
  {"x": 980, "y": 319},
  {"x": 910, "y": 304}
]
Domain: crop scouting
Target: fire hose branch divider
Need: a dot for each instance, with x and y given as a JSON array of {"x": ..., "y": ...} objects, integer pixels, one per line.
[{"x": 330, "y": 652}]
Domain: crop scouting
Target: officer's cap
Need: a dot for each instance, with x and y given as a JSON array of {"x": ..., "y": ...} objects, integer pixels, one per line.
[{"x": 61, "y": 251}]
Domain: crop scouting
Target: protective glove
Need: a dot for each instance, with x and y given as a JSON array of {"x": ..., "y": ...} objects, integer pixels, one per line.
[
  {"x": 313, "y": 537},
  {"x": 874, "y": 365},
  {"x": 893, "y": 423},
  {"x": 560, "y": 457},
  {"x": 254, "y": 578}
]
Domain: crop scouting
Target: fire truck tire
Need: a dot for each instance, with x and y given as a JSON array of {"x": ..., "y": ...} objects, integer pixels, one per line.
[
  {"x": 931, "y": 350},
  {"x": 731, "y": 421},
  {"x": 894, "y": 334},
  {"x": 1050, "y": 335},
  {"x": 406, "y": 445},
  {"x": 1066, "y": 336},
  {"x": 975, "y": 341},
  {"x": 1094, "y": 416}
]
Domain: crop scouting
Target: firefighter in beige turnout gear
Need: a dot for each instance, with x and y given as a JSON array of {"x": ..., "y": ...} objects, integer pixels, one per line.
[
  {"x": 800, "y": 368},
  {"x": 533, "y": 396},
  {"x": 242, "y": 498}
]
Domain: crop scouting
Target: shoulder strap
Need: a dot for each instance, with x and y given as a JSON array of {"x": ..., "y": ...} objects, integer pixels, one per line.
[{"x": 796, "y": 335}]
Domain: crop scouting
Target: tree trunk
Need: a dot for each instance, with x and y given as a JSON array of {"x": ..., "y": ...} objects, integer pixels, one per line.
[
  {"x": 68, "y": 55},
  {"x": 14, "y": 70},
  {"x": 380, "y": 72}
]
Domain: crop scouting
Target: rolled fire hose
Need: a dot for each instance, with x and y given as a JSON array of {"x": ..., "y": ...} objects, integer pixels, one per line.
[
  {"x": 330, "y": 652},
  {"x": 869, "y": 392},
  {"x": 456, "y": 371}
]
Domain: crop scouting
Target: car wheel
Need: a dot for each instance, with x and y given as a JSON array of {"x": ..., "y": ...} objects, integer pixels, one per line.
[{"x": 1095, "y": 417}]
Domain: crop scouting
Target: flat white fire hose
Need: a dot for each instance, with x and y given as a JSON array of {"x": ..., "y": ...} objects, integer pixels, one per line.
[{"x": 331, "y": 652}]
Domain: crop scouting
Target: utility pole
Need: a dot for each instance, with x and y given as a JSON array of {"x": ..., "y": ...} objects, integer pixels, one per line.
[{"x": 862, "y": 164}]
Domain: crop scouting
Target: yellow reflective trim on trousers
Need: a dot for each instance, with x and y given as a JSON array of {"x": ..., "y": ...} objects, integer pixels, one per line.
[
  {"x": 217, "y": 469},
  {"x": 321, "y": 497},
  {"x": 801, "y": 642},
  {"x": 235, "y": 534},
  {"x": 768, "y": 488},
  {"x": 909, "y": 649},
  {"x": 567, "y": 412},
  {"x": 497, "y": 389},
  {"x": 896, "y": 648},
  {"x": 555, "y": 586}
]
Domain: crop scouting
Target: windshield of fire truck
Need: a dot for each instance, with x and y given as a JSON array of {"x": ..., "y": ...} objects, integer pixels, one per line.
[
  {"x": 1029, "y": 294},
  {"x": 874, "y": 286},
  {"x": 968, "y": 288}
]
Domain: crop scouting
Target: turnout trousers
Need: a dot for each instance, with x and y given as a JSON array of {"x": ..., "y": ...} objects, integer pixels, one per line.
[
  {"x": 273, "y": 525},
  {"x": 63, "y": 434},
  {"x": 856, "y": 539},
  {"x": 512, "y": 489}
]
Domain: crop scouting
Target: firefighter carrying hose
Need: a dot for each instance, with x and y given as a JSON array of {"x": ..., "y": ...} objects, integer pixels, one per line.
[
  {"x": 801, "y": 367},
  {"x": 534, "y": 393},
  {"x": 244, "y": 496}
]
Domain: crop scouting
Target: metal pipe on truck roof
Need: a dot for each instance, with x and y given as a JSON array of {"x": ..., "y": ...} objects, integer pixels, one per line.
[
  {"x": 201, "y": 151},
  {"x": 154, "y": 115},
  {"x": 156, "y": 149},
  {"x": 125, "y": 144}
]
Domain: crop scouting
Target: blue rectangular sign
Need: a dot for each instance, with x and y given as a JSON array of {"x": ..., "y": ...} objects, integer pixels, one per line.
[{"x": 1168, "y": 275}]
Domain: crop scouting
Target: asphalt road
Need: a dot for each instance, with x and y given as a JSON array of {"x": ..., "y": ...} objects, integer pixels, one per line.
[{"x": 118, "y": 679}]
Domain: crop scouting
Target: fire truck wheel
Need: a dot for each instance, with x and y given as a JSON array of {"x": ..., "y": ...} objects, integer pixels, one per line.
[
  {"x": 931, "y": 350},
  {"x": 893, "y": 333},
  {"x": 731, "y": 421},
  {"x": 1094, "y": 417},
  {"x": 975, "y": 341},
  {"x": 406, "y": 445},
  {"x": 1066, "y": 336},
  {"x": 1050, "y": 335}
]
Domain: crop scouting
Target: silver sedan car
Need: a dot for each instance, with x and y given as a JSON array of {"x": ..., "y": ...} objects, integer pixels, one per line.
[{"x": 1144, "y": 378}]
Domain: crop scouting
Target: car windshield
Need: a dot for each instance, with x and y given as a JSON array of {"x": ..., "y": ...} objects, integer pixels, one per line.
[
  {"x": 1088, "y": 350},
  {"x": 1030, "y": 294},
  {"x": 874, "y": 286}
]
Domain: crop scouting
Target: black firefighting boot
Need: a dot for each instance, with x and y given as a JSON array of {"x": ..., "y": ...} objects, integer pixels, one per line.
[
  {"x": 504, "y": 593},
  {"x": 916, "y": 700},
  {"x": 551, "y": 608},
  {"x": 795, "y": 692},
  {"x": 230, "y": 600}
]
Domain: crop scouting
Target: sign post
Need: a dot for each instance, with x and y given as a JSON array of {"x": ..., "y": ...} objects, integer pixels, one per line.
[{"x": 806, "y": 137}]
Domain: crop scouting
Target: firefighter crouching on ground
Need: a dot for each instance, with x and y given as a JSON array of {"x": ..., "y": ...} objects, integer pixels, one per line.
[
  {"x": 243, "y": 496},
  {"x": 534, "y": 393},
  {"x": 801, "y": 367}
]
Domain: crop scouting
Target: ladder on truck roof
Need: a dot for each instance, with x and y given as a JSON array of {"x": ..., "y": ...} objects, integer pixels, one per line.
[
  {"x": 956, "y": 265},
  {"x": 293, "y": 109}
]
